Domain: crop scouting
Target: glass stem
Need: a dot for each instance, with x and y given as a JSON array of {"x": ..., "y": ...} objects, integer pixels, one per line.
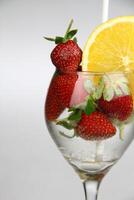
[{"x": 91, "y": 188}]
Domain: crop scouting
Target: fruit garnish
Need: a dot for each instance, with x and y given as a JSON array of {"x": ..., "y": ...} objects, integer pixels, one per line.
[
  {"x": 95, "y": 126},
  {"x": 110, "y": 47},
  {"x": 98, "y": 102},
  {"x": 59, "y": 95},
  {"x": 64, "y": 86},
  {"x": 86, "y": 121},
  {"x": 67, "y": 55},
  {"x": 52, "y": 107},
  {"x": 118, "y": 108}
]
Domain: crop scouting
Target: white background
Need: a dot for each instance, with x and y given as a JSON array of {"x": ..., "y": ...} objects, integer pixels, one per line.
[{"x": 31, "y": 167}]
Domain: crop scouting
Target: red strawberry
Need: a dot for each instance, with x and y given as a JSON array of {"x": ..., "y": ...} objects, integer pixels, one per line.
[
  {"x": 59, "y": 95},
  {"x": 66, "y": 56},
  {"x": 119, "y": 107},
  {"x": 64, "y": 85},
  {"x": 95, "y": 126},
  {"x": 52, "y": 107}
]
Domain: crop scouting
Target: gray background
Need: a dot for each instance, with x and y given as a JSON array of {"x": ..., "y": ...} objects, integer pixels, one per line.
[{"x": 31, "y": 167}]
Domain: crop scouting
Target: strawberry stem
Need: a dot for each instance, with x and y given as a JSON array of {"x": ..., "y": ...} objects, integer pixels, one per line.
[
  {"x": 75, "y": 39},
  {"x": 68, "y": 35},
  {"x": 69, "y": 27},
  {"x": 50, "y": 39}
]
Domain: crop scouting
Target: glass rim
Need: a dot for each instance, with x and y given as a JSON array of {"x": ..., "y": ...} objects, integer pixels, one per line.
[{"x": 103, "y": 73}]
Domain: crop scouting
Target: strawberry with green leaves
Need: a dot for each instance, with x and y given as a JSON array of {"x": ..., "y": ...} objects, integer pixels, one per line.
[
  {"x": 67, "y": 55},
  {"x": 95, "y": 126}
]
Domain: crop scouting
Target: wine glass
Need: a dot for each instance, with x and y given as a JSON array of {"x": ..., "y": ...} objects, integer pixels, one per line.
[{"x": 96, "y": 127}]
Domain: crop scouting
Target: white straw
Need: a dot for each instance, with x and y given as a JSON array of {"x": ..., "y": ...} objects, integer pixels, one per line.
[
  {"x": 105, "y": 10},
  {"x": 100, "y": 144},
  {"x": 99, "y": 151}
]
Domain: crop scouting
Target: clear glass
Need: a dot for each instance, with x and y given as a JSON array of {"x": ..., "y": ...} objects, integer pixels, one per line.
[{"x": 92, "y": 158}]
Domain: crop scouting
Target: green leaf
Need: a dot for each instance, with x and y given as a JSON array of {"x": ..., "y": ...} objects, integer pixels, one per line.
[
  {"x": 65, "y": 124},
  {"x": 49, "y": 39},
  {"x": 75, "y": 39},
  {"x": 69, "y": 27},
  {"x": 71, "y": 34},
  {"x": 56, "y": 73},
  {"x": 75, "y": 115},
  {"x": 90, "y": 107},
  {"x": 71, "y": 109},
  {"x": 59, "y": 39}
]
